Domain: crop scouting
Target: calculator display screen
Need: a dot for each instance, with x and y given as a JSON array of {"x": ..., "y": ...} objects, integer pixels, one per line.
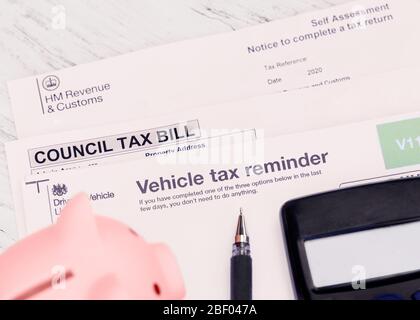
[{"x": 369, "y": 254}]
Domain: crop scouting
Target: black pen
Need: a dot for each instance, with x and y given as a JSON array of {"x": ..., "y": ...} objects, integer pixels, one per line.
[{"x": 241, "y": 264}]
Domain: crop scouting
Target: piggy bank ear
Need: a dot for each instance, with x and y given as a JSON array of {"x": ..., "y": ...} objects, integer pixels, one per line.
[
  {"x": 172, "y": 283},
  {"x": 77, "y": 215}
]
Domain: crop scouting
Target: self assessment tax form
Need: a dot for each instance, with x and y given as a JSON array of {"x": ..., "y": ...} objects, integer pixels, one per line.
[{"x": 319, "y": 48}]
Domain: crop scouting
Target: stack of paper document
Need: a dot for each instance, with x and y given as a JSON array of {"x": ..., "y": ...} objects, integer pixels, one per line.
[{"x": 174, "y": 140}]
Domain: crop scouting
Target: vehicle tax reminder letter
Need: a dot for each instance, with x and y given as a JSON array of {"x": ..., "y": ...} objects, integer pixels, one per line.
[{"x": 193, "y": 205}]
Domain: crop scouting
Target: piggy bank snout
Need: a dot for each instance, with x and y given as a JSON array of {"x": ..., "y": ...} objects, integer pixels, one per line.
[{"x": 172, "y": 285}]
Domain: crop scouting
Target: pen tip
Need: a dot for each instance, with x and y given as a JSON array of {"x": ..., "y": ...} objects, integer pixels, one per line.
[{"x": 241, "y": 234}]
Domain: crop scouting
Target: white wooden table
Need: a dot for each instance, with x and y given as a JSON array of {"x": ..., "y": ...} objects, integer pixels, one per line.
[{"x": 38, "y": 36}]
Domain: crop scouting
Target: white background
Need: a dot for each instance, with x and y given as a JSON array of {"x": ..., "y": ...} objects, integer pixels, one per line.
[{"x": 33, "y": 41}]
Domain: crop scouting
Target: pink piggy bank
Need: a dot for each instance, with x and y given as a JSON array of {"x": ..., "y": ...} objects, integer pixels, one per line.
[{"x": 86, "y": 256}]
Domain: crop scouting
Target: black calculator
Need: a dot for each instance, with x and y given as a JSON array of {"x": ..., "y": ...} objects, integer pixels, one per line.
[{"x": 358, "y": 243}]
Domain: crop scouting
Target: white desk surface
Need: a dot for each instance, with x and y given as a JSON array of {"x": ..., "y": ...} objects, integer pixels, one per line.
[{"x": 97, "y": 29}]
